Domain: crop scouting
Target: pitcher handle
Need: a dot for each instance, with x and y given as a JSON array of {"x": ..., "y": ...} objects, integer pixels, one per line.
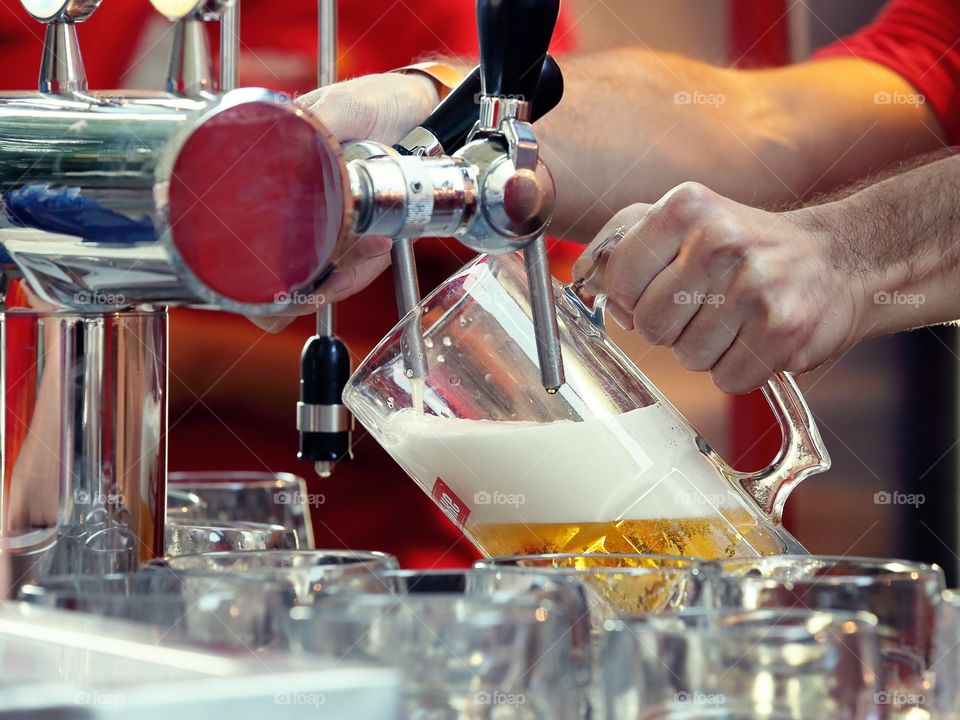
[{"x": 802, "y": 452}]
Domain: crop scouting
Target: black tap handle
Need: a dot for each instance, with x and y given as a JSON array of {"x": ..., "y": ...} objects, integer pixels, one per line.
[
  {"x": 452, "y": 120},
  {"x": 514, "y": 37},
  {"x": 324, "y": 372}
]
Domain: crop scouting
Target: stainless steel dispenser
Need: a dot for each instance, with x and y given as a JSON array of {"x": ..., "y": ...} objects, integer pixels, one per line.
[{"x": 113, "y": 207}]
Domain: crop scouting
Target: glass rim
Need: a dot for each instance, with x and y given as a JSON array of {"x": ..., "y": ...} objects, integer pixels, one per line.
[
  {"x": 229, "y": 581},
  {"x": 339, "y": 604},
  {"x": 683, "y": 563},
  {"x": 227, "y": 525},
  {"x": 238, "y": 480},
  {"x": 352, "y": 557},
  {"x": 715, "y": 570},
  {"x": 636, "y": 624},
  {"x": 147, "y": 598}
]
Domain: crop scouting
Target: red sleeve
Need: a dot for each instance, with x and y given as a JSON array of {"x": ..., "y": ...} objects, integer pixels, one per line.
[{"x": 920, "y": 41}]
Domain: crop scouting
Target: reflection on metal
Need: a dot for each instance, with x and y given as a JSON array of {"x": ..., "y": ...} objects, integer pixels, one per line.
[
  {"x": 111, "y": 172},
  {"x": 83, "y": 455},
  {"x": 65, "y": 11},
  {"x": 190, "y": 73},
  {"x": 61, "y": 66}
]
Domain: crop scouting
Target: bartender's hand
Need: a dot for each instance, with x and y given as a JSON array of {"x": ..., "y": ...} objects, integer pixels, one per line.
[
  {"x": 384, "y": 108},
  {"x": 737, "y": 291}
]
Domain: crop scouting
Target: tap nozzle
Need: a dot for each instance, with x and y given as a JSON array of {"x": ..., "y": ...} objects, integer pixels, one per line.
[
  {"x": 544, "y": 312},
  {"x": 413, "y": 348},
  {"x": 323, "y": 421}
]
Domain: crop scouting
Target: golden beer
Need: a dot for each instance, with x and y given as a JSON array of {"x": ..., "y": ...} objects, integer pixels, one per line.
[{"x": 735, "y": 534}]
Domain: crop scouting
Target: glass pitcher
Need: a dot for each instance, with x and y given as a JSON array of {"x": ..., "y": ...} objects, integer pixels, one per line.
[{"x": 606, "y": 464}]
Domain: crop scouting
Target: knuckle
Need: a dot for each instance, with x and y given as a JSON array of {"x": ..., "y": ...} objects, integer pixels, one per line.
[
  {"x": 732, "y": 380},
  {"x": 686, "y": 194},
  {"x": 684, "y": 205},
  {"x": 656, "y": 330},
  {"x": 691, "y": 357}
]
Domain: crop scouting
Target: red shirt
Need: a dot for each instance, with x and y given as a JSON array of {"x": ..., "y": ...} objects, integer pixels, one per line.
[{"x": 920, "y": 41}]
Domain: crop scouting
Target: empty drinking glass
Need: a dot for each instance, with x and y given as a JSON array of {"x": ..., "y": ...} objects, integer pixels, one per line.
[
  {"x": 903, "y": 595},
  {"x": 620, "y": 583},
  {"x": 309, "y": 572},
  {"x": 471, "y": 656},
  {"x": 231, "y": 496},
  {"x": 185, "y": 537},
  {"x": 224, "y": 612},
  {"x": 565, "y": 593},
  {"x": 793, "y": 664}
]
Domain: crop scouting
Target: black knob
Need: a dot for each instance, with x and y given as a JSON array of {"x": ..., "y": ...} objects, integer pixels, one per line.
[
  {"x": 514, "y": 37},
  {"x": 452, "y": 120},
  {"x": 323, "y": 421}
]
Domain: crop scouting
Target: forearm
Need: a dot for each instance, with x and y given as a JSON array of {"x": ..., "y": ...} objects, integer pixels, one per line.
[
  {"x": 634, "y": 123},
  {"x": 899, "y": 243}
]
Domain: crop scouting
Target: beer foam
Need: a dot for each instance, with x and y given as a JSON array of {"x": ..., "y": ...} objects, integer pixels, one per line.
[{"x": 640, "y": 465}]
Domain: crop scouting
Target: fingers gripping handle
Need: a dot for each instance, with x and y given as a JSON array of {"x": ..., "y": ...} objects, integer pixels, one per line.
[{"x": 801, "y": 455}]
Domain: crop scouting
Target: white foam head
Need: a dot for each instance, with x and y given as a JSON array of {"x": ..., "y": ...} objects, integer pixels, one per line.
[{"x": 640, "y": 465}]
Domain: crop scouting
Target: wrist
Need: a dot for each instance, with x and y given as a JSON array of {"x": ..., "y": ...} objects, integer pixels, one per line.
[
  {"x": 850, "y": 284},
  {"x": 887, "y": 294},
  {"x": 440, "y": 77}
]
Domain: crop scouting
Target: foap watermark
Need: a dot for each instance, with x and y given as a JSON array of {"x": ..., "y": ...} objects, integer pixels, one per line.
[
  {"x": 479, "y": 96},
  {"x": 299, "y": 298},
  {"x": 694, "y": 497},
  {"x": 482, "y": 497},
  {"x": 884, "y": 497},
  {"x": 285, "y": 497},
  {"x": 697, "y": 97},
  {"x": 91, "y": 297},
  {"x": 308, "y": 699},
  {"x": 898, "y": 298},
  {"x": 698, "y": 298},
  {"x": 500, "y": 698},
  {"x": 701, "y": 699},
  {"x": 102, "y": 699},
  {"x": 898, "y": 98},
  {"x": 86, "y": 497},
  {"x": 899, "y": 698}
]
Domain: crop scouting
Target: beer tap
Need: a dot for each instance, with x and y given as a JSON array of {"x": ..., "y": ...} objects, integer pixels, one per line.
[
  {"x": 445, "y": 131},
  {"x": 190, "y": 71},
  {"x": 492, "y": 193},
  {"x": 514, "y": 37},
  {"x": 324, "y": 423},
  {"x": 61, "y": 65},
  {"x": 495, "y": 194}
]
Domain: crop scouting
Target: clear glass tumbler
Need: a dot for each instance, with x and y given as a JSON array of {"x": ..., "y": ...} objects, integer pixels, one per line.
[
  {"x": 794, "y": 664},
  {"x": 462, "y": 656},
  {"x": 903, "y": 595}
]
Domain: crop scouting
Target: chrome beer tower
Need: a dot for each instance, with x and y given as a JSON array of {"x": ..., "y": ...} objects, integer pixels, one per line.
[
  {"x": 114, "y": 206},
  {"x": 472, "y": 171}
]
